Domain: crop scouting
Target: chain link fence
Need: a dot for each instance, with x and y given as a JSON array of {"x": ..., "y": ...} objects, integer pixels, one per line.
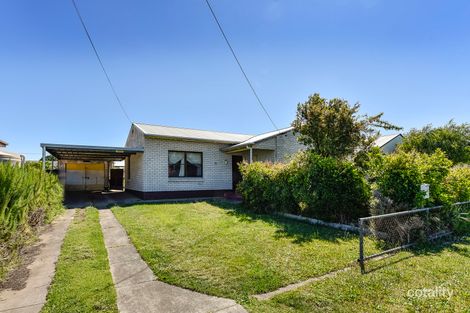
[{"x": 395, "y": 231}]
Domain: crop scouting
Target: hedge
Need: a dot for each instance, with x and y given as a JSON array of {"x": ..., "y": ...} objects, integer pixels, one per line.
[
  {"x": 399, "y": 176},
  {"x": 28, "y": 198},
  {"x": 310, "y": 185}
]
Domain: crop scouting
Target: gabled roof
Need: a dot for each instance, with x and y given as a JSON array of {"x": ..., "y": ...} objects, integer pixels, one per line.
[
  {"x": 383, "y": 140},
  {"x": 169, "y": 132},
  {"x": 255, "y": 139}
]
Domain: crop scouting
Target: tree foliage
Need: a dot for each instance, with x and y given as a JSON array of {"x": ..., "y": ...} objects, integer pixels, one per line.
[
  {"x": 333, "y": 128},
  {"x": 451, "y": 138}
]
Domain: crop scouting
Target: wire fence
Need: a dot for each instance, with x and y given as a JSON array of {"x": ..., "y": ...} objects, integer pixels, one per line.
[{"x": 396, "y": 231}]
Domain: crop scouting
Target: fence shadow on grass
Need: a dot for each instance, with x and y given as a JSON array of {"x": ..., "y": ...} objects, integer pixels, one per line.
[
  {"x": 425, "y": 249},
  {"x": 298, "y": 232}
]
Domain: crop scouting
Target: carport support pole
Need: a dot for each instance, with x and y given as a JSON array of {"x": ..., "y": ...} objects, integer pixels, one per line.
[
  {"x": 251, "y": 154},
  {"x": 44, "y": 158}
]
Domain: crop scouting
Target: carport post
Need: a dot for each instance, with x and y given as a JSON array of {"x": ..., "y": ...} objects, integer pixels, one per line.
[{"x": 44, "y": 158}]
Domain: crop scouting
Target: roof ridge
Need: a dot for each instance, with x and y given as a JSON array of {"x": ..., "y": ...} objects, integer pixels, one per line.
[{"x": 197, "y": 129}]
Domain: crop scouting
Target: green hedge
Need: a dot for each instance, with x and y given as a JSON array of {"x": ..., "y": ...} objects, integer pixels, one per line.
[
  {"x": 309, "y": 185},
  {"x": 456, "y": 187},
  {"x": 399, "y": 177},
  {"x": 28, "y": 199}
]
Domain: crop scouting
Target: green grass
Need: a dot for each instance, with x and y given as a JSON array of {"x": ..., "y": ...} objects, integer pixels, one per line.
[
  {"x": 385, "y": 288},
  {"x": 223, "y": 250},
  {"x": 82, "y": 282}
]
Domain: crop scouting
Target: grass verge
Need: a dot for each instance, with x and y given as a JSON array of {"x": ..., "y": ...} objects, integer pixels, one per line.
[
  {"x": 396, "y": 284},
  {"x": 220, "y": 249},
  {"x": 82, "y": 282}
]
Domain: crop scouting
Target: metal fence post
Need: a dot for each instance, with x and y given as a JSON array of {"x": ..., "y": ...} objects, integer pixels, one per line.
[{"x": 361, "y": 246}]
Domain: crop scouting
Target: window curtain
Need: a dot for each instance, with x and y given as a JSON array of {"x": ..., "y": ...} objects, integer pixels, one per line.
[{"x": 176, "y": 164}]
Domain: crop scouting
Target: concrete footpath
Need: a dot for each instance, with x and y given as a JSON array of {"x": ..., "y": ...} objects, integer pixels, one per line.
[
  {"x": 137, "y": 288},
  {"x": 32, "y": 297}
]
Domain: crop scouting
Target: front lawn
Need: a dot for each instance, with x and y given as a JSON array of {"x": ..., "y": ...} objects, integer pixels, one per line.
[
  {"x": 82, "y": 282},
  {"x": 396, "y": 284},
  {"x": 220, "y": 249}
]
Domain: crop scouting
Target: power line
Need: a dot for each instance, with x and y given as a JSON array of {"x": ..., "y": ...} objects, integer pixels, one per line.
[
  {"x": 101, "y": 63},
  {"x": 239, "y": 64}
]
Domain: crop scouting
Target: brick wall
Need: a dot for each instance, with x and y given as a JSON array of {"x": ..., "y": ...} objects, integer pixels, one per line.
[
  {"x": 217, "y": 166},
  {"x": 136, "y": 162}
]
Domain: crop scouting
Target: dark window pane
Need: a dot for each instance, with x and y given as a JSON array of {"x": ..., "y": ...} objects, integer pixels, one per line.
[{"x": 194, "y": 164}]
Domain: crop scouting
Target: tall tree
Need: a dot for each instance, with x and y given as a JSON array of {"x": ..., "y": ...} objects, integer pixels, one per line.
[{"x": 334, "y": 128}]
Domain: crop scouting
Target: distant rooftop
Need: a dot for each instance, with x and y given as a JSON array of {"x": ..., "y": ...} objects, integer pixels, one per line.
[
  {"x": 383, "y": 140},
  {"x": 191, "y": 134},
  {"x": 3, "y": 143}
]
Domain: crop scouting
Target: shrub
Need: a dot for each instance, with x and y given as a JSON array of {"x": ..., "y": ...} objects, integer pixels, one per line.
[
  {"x": 399, "y": 177},
  {"x": 451, "y": 138},
  {"x": 28, "y": 199},
  {"x": 456, "y": 187},
  {"x": 311, "y": 185},
  {"x": 265, "y": 187},
  {"x": 329, "y": 189}
]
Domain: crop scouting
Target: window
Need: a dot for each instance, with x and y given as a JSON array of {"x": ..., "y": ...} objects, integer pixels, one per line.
[{"x": 184, "y": 164}]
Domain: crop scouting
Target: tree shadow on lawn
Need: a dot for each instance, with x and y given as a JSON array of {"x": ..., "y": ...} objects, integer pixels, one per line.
[{"x": 300, "y": 233}]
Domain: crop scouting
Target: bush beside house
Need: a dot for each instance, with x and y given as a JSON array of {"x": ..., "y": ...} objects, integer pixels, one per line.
[
  {"x": 29, "y": 198},
  {"x": 310, "y": 185}
]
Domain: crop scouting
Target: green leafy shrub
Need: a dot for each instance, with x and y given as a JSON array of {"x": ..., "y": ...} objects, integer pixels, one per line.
[
  {"x": 311, "y": 185},
  {"x": 399, "y": 177},
  {"x": 28, "y": 199},
  {"x": 456, "y": 187},
  {"x": 329, "y": 189},
  {"x": 255, "y": 185},
  {"x": 451, "y": 138}
]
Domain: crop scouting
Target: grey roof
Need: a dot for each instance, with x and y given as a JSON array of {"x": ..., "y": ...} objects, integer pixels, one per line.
[
  {"x": 3, "y": 143},
  {"x": 191, "y": 134},
  {"x": 383, "y": 140},
  {"x": 255, "y": 139}
]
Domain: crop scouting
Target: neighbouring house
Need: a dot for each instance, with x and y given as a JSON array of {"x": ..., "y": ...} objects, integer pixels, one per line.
[
  {"x": 171, "y": 162},
  {"x": 388, "y": 143},
  {"x": 11, "y": 157}
]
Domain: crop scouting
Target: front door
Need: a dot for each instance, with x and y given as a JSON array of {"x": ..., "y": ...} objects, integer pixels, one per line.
[{"x": 236, "y": 175}]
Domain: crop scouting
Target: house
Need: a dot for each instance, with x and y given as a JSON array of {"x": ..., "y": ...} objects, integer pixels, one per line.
[
  {"x": 11, "y": 157},
  {"x": 181, "y": 162},
  {"x": 170, "y": 162},
  {"x": 388, "y": 143}
]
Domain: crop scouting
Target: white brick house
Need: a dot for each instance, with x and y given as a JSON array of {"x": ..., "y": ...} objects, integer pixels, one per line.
[{"x": 180, "y": 162}]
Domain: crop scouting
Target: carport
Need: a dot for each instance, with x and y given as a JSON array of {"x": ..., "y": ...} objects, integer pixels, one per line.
[{"x": 89, "y": 168}]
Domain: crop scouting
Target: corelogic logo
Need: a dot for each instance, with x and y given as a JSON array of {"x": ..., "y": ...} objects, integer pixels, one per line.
[{"x": 436, "y": 292}]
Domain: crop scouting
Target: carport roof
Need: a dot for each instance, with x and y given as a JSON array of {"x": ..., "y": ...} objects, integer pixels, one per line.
[{"x": 89, "y": 153}]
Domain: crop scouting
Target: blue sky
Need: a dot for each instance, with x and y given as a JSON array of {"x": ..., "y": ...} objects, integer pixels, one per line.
[{"x": 171, "y": 66}]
